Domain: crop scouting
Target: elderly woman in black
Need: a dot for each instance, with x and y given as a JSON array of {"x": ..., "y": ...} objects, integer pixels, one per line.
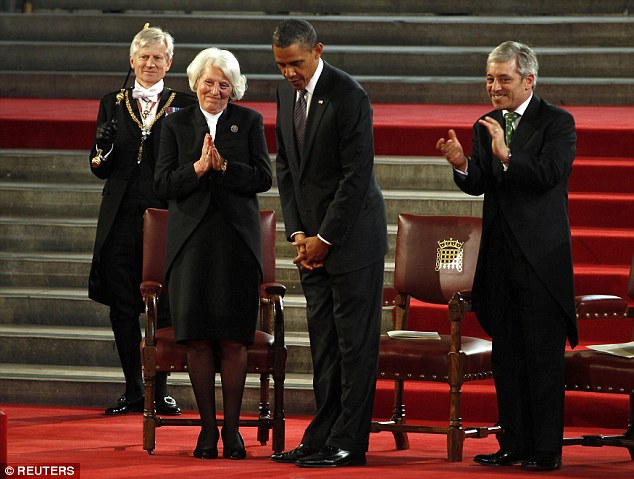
[{"x": 213, "y": 161}]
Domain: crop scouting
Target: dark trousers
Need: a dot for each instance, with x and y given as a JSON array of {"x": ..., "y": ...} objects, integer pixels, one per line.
[
  {"x": 121, "y": 263},
  {"x": 528, "y": 329},
  {"x": 344, "y": 326}
]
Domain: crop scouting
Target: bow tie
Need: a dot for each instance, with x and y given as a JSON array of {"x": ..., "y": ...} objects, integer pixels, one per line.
[{"x": 150, "y": 94}]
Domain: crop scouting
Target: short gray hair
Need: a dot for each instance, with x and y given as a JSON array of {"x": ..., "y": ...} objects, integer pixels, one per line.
[
  {"x": 151, "y": 36},
  {"x": 226, "y": 62},
  {"x": 524, "y": 56}
]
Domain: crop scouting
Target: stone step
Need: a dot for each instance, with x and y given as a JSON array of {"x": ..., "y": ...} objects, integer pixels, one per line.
[
  {"x": 54, "y": 200},
  {"x": 93, "y": 386},
  {"x": 407, "y": 61},
  {"x": 388, "y": 29},
  {"x": 77, "y": 235},
  {"x": 414, "y": 7},
  {"x": 95, "y": 346},
  {"x": 55, "y": 166},
  {"x": 423, "y": 89},
  {"x": 65, "y": 307},
  {"x": 64, "y": 270},
  {"x": 38, "y": 234}
]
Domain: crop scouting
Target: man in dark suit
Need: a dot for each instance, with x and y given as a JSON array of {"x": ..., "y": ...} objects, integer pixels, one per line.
[
  {"x": 335, "y": 216},
  {"x": 523, "y": 292},
  {"x": 124, "y": 154}
]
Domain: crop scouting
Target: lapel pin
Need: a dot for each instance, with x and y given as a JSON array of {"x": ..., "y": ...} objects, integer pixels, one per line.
[
  {"x": 234, "y": 128},
  {"x": 321, "y": 102}
]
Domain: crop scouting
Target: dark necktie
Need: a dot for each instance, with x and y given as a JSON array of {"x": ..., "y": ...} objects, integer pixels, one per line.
[
  {"x": 299, "y": 119},
  {"x": 510, "y": 118}
]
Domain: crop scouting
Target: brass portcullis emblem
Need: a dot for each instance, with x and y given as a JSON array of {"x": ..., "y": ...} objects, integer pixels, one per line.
[{"x": 449, "y": 255}]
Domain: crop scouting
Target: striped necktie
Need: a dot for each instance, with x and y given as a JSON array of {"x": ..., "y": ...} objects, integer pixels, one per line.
[{"x": 299, "y": 119}]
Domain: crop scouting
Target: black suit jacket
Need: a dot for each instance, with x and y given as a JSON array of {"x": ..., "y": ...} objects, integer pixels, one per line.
[
  {"x": 240, "y": 140},
  {"x": 532, "y": 197},
  {"x": 121, "y": 169},
  {"x": 331, "y": 189}
]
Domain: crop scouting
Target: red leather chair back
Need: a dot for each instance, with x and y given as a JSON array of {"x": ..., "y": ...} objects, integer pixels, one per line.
[
  {"x": 154, "y": 235},
  {"x": 154, "y": 238},
  {"x": 436, "y": 255}
]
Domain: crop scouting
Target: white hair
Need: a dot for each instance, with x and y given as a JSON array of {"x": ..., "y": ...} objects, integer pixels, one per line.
[{"x": 226, "y": 62}]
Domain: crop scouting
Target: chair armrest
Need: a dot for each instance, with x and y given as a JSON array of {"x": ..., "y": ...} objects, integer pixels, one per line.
[
  {"x": 601, "y": 306},
  {"x": 465, "y": 296},
  {"x": 268, "y": 289},
  {"x": 272, "y": 301}
]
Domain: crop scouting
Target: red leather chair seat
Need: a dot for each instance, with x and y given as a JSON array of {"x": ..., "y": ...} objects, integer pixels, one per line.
[
  {"x": 403, "y": 358},
  {"x": 171, "y": 356},
  {"x": 588, "y": 370}
]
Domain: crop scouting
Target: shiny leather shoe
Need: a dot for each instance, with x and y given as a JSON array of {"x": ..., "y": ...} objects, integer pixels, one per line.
[
  {"x": 235, "y": 450},
  {"x": 294, "y": 455},
  {"x": 500, "y": 458},
  {"x": 547, "y": 462},
  {"x": 167, "y": 406},
  {"x": 207, "y": 452},
  {"x": 123, "y": 406},
  {"x": 330, "y": 456}
]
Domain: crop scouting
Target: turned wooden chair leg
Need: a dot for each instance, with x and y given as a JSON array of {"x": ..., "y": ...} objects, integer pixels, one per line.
[
  {"x": 401, "y": 439},
  {"x": 264, "y": 410}
]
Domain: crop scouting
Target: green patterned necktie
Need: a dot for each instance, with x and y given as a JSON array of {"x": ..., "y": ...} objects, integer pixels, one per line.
[{"x": 510, "y": 118}]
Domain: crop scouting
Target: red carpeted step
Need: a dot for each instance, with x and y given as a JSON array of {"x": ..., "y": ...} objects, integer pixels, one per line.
[
  {"x": 430, "y": 401},
  {"x": 428, "y": 317},
  {"x": 602, "y": 175},
  {"x": 601, "y": 210},
  {"x": 3, "y": 438},
  {"x": 602, "y": 246},
  {"x": 399, "y": 129},
  {"x": 592, "y": 279}
]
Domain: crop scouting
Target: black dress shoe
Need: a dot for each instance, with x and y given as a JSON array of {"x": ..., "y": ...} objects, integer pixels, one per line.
[
  {"x": 294, "y": 455},
  {"x": 545, "y": 462},
  {"x": 167, "y": 406},
  {"x": 500, "y": 458},
  {"x": 123, "y": 406},
  {"x": 233, "y": 447},
  {"x": 330, "y": 456},
  {"x": 207, "y": 452}
]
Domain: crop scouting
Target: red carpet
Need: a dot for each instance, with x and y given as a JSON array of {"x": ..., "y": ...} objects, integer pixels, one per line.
[
  {"x": 400, "y": 129},
  {"x": 111, "y": 447}
]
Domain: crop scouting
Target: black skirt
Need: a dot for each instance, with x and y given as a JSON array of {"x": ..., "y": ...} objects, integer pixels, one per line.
[{"x": 214, "y": 284}]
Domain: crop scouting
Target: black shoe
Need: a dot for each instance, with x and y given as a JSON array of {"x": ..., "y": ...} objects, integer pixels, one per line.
[
  {"x": 233, "y": 448},
  {"x": 543, "y": 462},
  {"x": 330, "y": 456},
  {"x": 294, "y": 455},
  {"x": 500, "y": 458},
  {"x": 123, "y": 406},
  {"x": 207, "y": 452},
  {"x": 167, "y": 406}
]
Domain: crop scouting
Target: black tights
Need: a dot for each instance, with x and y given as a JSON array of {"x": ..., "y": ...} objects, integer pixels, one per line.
[{"x": 201, "y": 365}]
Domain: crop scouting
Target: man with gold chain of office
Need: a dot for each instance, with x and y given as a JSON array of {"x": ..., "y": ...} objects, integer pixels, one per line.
[{"x": 124, "y": 154}]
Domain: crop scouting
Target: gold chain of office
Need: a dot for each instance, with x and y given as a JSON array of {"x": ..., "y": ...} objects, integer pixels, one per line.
[{"x": 145, "y": 130}]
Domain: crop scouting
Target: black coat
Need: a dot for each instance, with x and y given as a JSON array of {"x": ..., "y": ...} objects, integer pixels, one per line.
[
  {"x": 129, "y": 184},
  {"x": 241, "y": 142},
  {"x": 532, "y": 196},
  {"x": 332, "y": 191}
]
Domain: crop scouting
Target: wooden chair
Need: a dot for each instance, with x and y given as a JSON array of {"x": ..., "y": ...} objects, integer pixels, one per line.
[
  {"x": 435, "y": 263},
  {"x": 266, "y": 357},
  {"x": 588, "y": 370}
]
